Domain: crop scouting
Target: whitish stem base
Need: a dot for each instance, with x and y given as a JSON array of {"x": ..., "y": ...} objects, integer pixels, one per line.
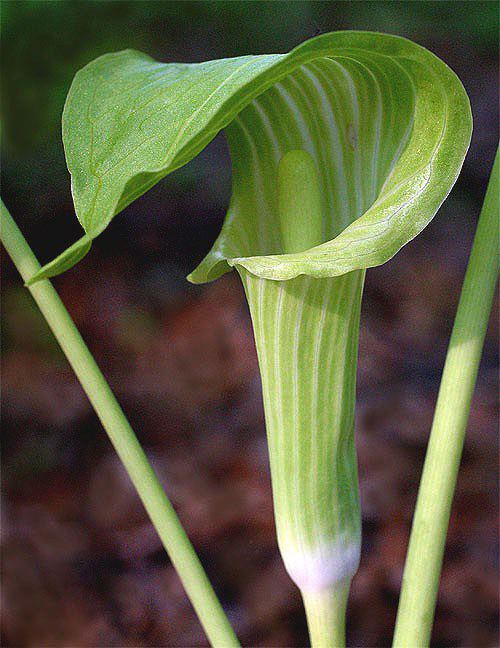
[{"x": 326, "y": 612}]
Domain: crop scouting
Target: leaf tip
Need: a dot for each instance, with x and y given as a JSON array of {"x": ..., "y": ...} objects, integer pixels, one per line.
[{"x": 63, "y": 262}]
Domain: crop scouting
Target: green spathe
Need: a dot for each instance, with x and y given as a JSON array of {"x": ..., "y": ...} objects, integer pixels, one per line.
[{"x": 342, "y": 151}]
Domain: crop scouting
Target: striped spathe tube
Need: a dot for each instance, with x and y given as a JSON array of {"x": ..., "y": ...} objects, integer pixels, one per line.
[{"x": 306, "y": 333}]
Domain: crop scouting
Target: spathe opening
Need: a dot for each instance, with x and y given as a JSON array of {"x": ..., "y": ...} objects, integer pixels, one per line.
[{"x": 340, "y": 113}]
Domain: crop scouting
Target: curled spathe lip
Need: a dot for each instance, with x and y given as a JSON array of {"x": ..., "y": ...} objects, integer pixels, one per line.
[
  {"x": 403, "y": 196},
  {"x": 369, "y": 241},
  {"x": 159, "y": 116}
]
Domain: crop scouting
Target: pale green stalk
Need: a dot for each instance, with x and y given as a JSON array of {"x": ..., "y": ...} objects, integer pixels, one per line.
[
  {"x": 127, "y": 446},
  {"x": 326, "y": 612},
  {"x": 432, "y": 513}
]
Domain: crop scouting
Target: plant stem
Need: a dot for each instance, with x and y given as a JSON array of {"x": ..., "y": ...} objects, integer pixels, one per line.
[
  {"x": 122, "y": 436},
  {"x": 326, "y": 612},
  {"x": 432, "y": 513}
]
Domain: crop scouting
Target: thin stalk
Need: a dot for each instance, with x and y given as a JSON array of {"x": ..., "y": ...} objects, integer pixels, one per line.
[
  {"x": 432, "y": 513},
  {"x": 326, "y": 614},
  {"x": 159, "y": 508}
]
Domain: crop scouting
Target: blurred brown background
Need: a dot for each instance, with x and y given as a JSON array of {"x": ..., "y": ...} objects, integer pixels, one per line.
[{"x": 81, "y": 564}]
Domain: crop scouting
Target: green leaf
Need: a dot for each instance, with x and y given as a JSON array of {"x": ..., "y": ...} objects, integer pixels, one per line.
[
  {"x": 387, "y": 123},
  {"x": 64, "y": 261}
]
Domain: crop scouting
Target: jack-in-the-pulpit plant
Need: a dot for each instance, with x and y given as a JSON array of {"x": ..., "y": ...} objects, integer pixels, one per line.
[{"x": 342, "y": 152}]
